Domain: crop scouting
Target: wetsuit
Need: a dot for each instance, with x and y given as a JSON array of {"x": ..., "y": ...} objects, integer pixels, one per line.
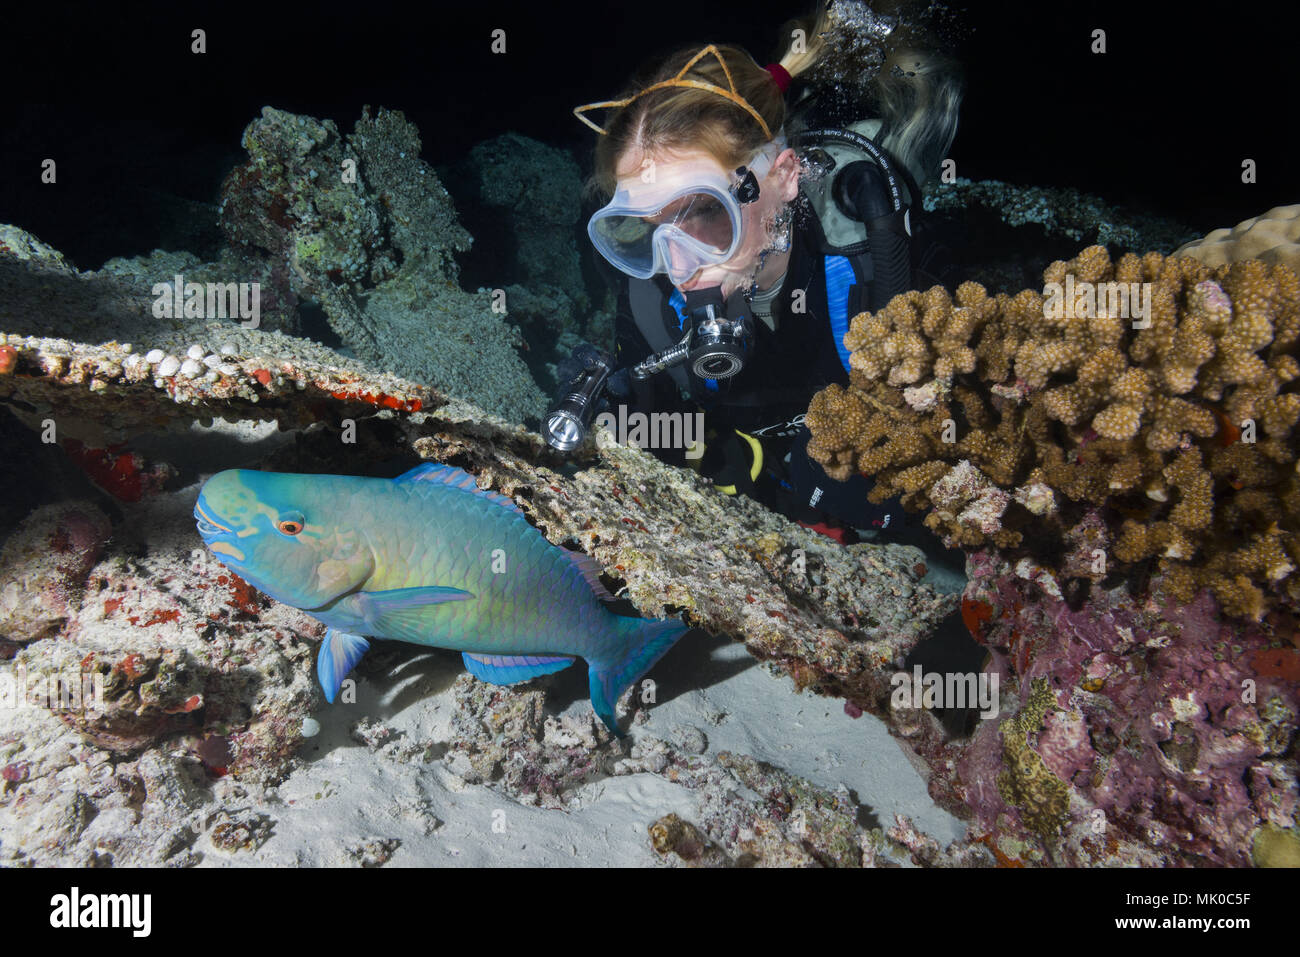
[{"x": 785, "y": 367}]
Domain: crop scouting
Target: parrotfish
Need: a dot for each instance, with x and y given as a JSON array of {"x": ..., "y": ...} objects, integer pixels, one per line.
[{"x": 432, "y": 559}]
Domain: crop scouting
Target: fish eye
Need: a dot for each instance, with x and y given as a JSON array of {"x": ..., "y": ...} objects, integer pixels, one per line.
[{"x": 290, "y": 523}]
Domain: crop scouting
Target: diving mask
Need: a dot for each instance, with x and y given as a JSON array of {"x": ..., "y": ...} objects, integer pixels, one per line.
[{"x": 679, "y": 217}]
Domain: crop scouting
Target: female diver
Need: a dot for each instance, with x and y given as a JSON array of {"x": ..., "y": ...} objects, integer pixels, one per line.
[{"x": 741, "y": 260}]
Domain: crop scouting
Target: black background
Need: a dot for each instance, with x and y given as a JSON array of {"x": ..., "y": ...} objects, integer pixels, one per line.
[
  {"x": 334, "y": 911},
  {"x": 1159, "y": 123}
]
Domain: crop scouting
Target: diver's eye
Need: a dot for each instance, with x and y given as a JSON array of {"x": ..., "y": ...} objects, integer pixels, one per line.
[{"x": 290, "y": 523}]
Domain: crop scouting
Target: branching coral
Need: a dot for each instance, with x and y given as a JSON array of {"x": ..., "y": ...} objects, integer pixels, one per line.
[{"x": 1160, "y": 388}]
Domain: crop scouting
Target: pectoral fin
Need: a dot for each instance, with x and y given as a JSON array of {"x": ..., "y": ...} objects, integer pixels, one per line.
[
  {"x": 339, "y": 654},
  {"x": 399, "y": 612}
]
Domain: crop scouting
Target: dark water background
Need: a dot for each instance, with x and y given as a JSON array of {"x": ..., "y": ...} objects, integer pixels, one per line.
[{"x": 1160, "y": 123}]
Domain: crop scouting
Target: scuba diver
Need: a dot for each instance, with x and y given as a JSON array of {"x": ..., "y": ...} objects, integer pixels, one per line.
[{"x": 740, "y": 261}]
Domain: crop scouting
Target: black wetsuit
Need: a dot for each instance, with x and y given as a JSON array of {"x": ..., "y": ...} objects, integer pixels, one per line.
[{"x": 769, "y": 398}]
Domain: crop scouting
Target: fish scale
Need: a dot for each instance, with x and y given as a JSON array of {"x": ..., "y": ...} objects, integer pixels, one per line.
[
  {"x": 422, "y": 572},
  {"x": 424, "y": 557}
]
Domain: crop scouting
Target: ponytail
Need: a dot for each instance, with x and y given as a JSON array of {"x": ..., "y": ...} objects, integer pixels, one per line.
[{"x": 919, "y": 95}]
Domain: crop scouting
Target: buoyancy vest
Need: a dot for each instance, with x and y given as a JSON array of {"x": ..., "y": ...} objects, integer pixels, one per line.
[{"x": 862, "y": 264}]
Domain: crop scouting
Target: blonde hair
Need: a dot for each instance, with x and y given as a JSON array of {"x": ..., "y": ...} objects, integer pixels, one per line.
[
  {"x": 918, "y": 95},
  {"x": 681, "y": 118}
]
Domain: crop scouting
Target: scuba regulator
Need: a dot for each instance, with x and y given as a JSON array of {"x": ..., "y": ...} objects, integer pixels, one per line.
[
  {"x": 718, "y": 333},
  {"x": 718, "y": 338}
]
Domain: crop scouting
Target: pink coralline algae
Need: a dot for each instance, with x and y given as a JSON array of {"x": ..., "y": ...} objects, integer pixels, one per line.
[
  {"x": 1144, "y": 731},
  {"x": 45, "y": 562}
]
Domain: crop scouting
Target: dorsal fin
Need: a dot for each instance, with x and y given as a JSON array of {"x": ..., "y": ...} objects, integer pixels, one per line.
[
  {"x": 590, "y": 570},
  {"x": 588, "y": 567},
  {"x": 455, "y": 478}
]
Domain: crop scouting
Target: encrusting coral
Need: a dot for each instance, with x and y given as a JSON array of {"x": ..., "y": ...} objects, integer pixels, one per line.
[
  {"x": 1273, "y": 236},
  {"x": 1159, "y": 388}
]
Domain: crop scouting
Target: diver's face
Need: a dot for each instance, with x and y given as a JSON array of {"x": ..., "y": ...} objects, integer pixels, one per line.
[{"x": 776, "y": 189}]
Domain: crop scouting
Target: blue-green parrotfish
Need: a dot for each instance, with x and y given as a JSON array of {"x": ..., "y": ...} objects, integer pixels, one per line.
[{"x": 429, "y": 558}]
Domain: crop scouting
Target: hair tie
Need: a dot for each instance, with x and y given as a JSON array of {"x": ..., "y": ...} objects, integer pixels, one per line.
[{"x": 780, "y": 75}]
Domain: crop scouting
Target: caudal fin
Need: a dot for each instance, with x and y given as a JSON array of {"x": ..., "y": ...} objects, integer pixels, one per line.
[{"x": 644, "y": 643}]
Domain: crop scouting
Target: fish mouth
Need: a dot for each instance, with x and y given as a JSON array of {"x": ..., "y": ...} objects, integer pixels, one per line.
[{"x": 208, "y": 526}]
